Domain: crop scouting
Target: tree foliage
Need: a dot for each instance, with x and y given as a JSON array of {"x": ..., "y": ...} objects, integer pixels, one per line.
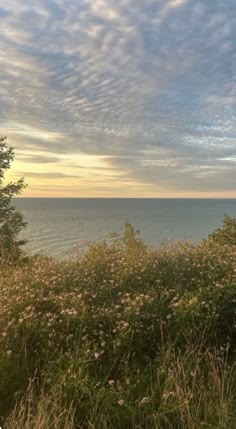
[
  {"x": 227, "y": 234},
  {"x": 11, "y": 220}
]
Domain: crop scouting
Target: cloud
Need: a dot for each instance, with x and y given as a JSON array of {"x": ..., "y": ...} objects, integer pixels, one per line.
[
  {"x": 38, "y": 159},
  {"x": 49, "y": 175},
  {"x": 177, "y": 3},
  {"x": 150, "y": 86},
  {"x": 32, "y": 132}
]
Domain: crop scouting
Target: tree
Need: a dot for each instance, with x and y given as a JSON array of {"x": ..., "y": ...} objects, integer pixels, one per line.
[
  {"x": 227, "y": 234},
  {"x": 11, "y": 220}
]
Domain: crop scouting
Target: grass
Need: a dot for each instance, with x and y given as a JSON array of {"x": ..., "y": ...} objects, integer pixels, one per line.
[{"x": 124, "y": 337}]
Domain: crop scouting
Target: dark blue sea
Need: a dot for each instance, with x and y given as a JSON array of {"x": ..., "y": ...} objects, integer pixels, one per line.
[{"x": 62, "y": 226}]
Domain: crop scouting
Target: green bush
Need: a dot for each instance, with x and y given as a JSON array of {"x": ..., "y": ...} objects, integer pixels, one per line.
[
  {"x": 227, "y": 234},
  {"x": 130, "y": 336}
]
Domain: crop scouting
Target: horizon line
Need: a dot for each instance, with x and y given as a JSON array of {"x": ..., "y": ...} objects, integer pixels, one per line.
[{"x": 131, "y": 198}]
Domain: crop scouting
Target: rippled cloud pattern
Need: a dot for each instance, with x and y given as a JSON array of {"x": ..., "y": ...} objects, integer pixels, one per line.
[{"x": 120, "y": 98}]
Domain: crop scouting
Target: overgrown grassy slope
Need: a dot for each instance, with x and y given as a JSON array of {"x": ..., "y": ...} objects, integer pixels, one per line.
[{"x": 125, "y": 337}]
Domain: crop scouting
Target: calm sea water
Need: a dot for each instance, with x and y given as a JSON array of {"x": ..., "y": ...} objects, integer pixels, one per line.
[{"x": 61, "y": 226}]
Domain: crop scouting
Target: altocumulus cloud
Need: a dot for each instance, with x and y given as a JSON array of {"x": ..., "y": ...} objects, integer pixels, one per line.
[{"x": 148, "y": 88}]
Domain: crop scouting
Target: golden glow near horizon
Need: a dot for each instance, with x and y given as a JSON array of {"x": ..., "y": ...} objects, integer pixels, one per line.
[
  {"x": 92, "y": 177},
  {"x": 54, "y": 174},
  {"x": 102, "y": 98},
  {"x": 86, "y": 175}
]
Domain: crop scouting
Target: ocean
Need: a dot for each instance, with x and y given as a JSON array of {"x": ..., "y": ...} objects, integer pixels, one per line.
[{"x": 61, "y": 227}]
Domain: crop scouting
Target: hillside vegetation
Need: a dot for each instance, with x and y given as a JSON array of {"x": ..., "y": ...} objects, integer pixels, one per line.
[{"x": 123, "y": 337}]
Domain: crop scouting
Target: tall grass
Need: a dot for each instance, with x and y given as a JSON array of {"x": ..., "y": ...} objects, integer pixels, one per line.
[
  {"x": 124, "y": 337},
  {"x": 184, "y": 391},
  {"x": 37, "y": 411}
]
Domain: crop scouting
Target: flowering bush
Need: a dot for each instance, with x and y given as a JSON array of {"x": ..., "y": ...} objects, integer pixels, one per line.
[{"x": 108, "y": 328}]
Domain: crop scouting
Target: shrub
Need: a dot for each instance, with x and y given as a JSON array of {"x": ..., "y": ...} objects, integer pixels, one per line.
[
  {"x": 225, "y": 235},
  {"x": 125, "y": 337}
]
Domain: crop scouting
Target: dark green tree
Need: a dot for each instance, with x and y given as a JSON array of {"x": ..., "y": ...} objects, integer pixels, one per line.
[
  {"x": 11, "y": 220},
  {"x": 227, "y": 234}
]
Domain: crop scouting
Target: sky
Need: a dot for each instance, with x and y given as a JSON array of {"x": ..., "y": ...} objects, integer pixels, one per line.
[{"x": 128, "y": 98}]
